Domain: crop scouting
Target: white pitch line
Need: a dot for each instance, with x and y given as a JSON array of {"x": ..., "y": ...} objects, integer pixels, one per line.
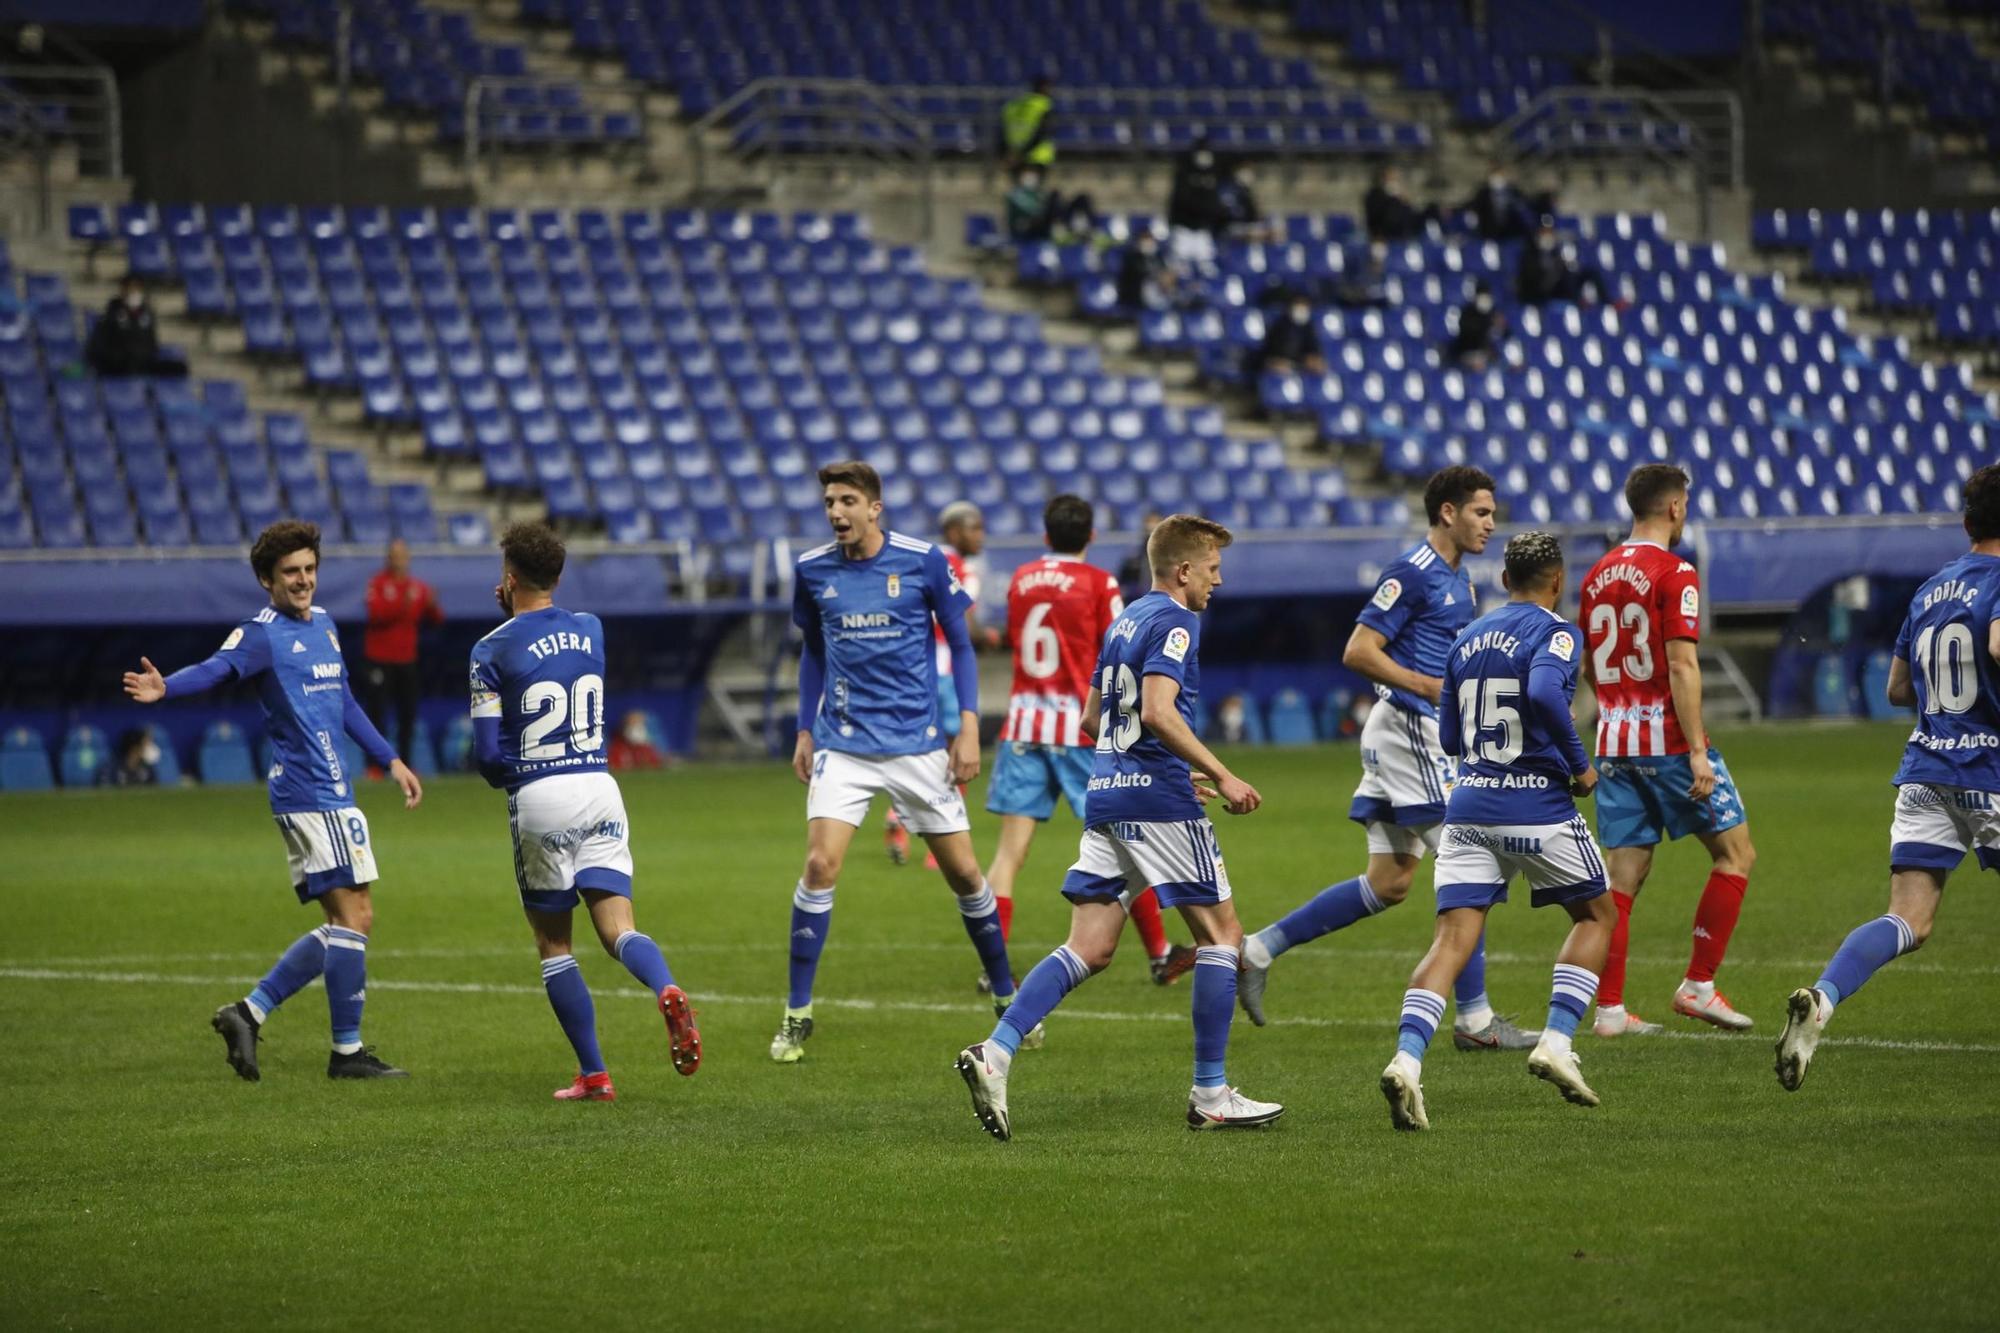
[{"x": 913, "y": 1007}]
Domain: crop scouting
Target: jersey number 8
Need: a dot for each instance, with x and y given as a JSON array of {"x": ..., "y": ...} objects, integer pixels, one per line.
[
  {"x": 582, "y": 705},
  {"x": 1120, "y": 692}
]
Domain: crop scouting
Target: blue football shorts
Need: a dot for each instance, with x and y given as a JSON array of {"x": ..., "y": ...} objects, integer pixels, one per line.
[
  {"x": 1641, "y": 799},
  {"x": 1029, "y": 776}
]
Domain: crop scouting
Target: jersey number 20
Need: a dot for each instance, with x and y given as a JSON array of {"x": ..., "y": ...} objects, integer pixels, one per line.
[{"x": 581, "y": 705}]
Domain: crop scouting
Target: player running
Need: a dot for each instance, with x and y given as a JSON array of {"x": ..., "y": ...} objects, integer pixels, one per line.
[
  {"x": 1424, "y": 598},
  {"x": 868, "y": 723},
  {"x": 1947, "y": 666},
  {"x": 290, "y": 648},
  {"x": 1508, "y": 682},
  {"x": 1058, "y": 611},
  {"x": 538, "y": 732},
  {"x": 1146, "y": 827},
  {"x": 1656, "y": 770}
]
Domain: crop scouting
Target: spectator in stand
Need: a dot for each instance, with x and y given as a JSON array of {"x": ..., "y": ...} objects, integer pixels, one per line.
[
  {"x": 1500, "y": 211},
  {"x": 1547, "y": 272},
  {"x": 633, "y": 746},
  {"x": 398, "y": 605},
  {"x": 1232, "y": 720},
  {"x": 1038, "y": 213},
  {"x": 1367, "y": 284},
  {"x": 1146, "y": 281},
  {"x": 1480, "y": 326},
  {"x": 1195, "y": 214},
  {"x": 1026, "y": 124},
  {"x": 1389, "y": 214},
  {"x": 1243, "y": 217},
  {"x": 126, "y": 341},
  {"x": 1292, "y": 343},
  {"x": 138, "y": 760}
]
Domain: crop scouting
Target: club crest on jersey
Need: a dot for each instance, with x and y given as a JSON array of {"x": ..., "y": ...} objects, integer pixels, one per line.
[
  {"x": 1176, "y": 645},
  {"x": 1386, "y": 595},
  {"x": 1562, "y": 645},
  {"x": 895, "y": 585}
]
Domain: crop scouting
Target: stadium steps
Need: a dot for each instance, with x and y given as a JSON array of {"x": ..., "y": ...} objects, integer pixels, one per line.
[{"x": 216, "y": 352}]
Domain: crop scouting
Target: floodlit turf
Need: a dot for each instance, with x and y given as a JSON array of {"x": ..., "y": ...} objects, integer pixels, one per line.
[{"x": 142, "y": 1184}]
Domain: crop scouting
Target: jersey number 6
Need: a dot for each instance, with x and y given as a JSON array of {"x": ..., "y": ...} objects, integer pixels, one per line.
[{"x": 582, "y": 705}]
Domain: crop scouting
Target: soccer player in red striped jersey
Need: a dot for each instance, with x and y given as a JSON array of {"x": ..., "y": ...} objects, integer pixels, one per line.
[
  {"x": 1058, "y": 611},
  {"x": 1658, "y": 774}
]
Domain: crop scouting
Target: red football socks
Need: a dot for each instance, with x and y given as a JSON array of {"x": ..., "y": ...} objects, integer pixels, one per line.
[
  {"x": 1005, "y": 907},
  {"x": 1611, "y": 983},
  {"x": 1145, "y": 912},
  {"x": 1714, "y": 920}
]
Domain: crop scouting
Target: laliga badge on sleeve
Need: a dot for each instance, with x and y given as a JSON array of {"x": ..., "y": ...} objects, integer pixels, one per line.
[{"x": 1177, "y": 644}]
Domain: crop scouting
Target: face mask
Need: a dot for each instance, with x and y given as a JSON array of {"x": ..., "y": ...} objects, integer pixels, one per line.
[
  {"x": 1300, "y": 314},
  {"x": 149, "y": 753},
  {"x": 1032, "y": 182},
  {"x": 1204, "y": 160},
  {"x": 1482, "y": 304},
  {"x": 635, "y": 732},
  {"x": 133, "y": 300}
]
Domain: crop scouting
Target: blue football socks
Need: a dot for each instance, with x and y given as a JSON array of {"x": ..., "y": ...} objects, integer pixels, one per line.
[
  {"x": 1423, "y": 1010},
  {"x": 643, "y": 959},
  {"x": 1570, "y": 997},
  {"x": 292, "y": 973},
  {"x": 346, "y": 985},
  {"x": 1214, "y": 1003},
  {"x": 812, "y": 914},
  {"x": 1865, "y": 951},
  {"x": 982, "y": 922},
  {"x": 1332, "y": 908},
  {"x": 1041, "y": 991},
  {"x": 1469, "y": 991},
  {"x": 570, "y": 998}
]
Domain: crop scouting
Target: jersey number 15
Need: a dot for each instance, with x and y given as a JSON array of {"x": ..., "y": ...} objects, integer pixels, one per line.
[{"x": 548, "y": 705}]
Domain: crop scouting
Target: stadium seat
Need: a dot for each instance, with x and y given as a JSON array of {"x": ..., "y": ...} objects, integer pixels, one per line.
[
  {"x": 168, "y": 767},
  {"x": 85, "y": 752},
  {"x": 224, "y": 755},
  {"x": 24, "y": 762},
  {"x": 1291, "y": 719},
  {"x": 1833, "y": 686}
]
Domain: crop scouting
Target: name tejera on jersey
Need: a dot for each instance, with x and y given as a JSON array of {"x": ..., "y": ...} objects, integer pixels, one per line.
[{"x": 561, "y": 641}]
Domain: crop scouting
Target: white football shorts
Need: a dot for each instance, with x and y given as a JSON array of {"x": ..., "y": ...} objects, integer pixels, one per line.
[
  {"x": 570, "y": 834},
  {"x": 1405, "y": 778},
  {"x": 1934, "y": 827},
  {"x": 1475, "y": 861},
  {"x": 327, "y": 849},
  {"x": 1180, "y": 859},
  {"x": 919, "y": 786}
]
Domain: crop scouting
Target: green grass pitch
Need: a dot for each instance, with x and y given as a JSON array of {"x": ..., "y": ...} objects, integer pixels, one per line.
[{"x": 142, "y": 1184}]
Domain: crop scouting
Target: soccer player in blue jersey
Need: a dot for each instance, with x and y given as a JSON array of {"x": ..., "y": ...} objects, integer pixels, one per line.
[
  {"x": 291, "y": 650},
  {"x": 1144, "y": 826},
  {"x": 1504, "y": 712},
  {"x": 538, "y": 732},
  {"x": 1423, "y": 599},
  {"x": 1947, "y": 666},
  {"x": 869, "y": 722}
]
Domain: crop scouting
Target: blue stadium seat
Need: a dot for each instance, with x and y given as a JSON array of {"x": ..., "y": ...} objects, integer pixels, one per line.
[
  {"x": 224, "y": 755},
  {"x": 85, "y": 752},
  {"x": 1291, "y": 719},
  {"x": 24, "y": 762}
]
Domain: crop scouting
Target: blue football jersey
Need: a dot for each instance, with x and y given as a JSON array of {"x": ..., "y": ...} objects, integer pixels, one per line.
[
  {"x": 1419, "y": 606},
  {"x": 1134, "y": 777},
  {"x": 1957, "y": 738},
  {"x": 302, "y": 685},
  {"x": 874, "y": 617},
  {"x": 1513, "y": 767},
  {"x": 542, "y": 675}
]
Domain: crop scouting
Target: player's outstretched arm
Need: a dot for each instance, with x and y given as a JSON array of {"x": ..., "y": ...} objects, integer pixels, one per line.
[
  {"x": 1367, "y": 654},
  {"x": 146, "y": 686},
  {"x": 1684, "y": 680},
  {"x": 1159, "y": 715}
]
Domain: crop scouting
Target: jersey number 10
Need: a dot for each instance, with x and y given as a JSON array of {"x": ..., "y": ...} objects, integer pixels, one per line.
[
  {"x": 1944, "y": 660},
  {"x": 548, "y": 705}
]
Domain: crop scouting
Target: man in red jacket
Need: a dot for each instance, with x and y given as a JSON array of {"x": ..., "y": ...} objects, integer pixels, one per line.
[{"x": 398, "y": 604}]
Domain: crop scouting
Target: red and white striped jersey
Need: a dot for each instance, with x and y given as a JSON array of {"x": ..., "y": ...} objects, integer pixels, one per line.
[
  {"x": 1635, "y": 599},
  {"x": 1058, "y": 611}
]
